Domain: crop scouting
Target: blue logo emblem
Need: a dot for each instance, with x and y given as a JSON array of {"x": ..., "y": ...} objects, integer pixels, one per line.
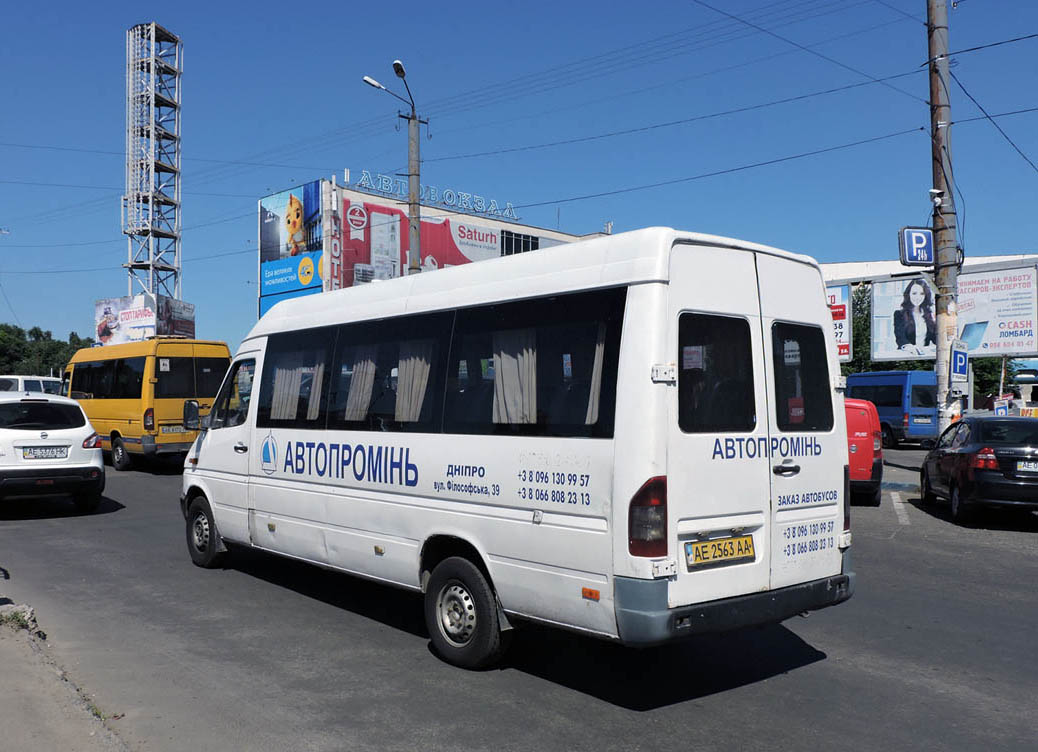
[{"x": 269, "y": 455}]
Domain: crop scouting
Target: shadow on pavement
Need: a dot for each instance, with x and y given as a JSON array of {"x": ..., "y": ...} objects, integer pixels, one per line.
[
  {"x": 910, "y": 465},
  {"x": 50, "y": 507},
  {"x": 172, "y": 465},
  {"x": 983, "y": 518},
  {"x": 634, "y": 679},
  {"x": 399, "y": 609},
  {"x": 656, "y": 677}
]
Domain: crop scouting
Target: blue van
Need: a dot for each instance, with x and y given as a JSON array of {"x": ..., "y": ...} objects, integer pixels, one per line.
[{"x": 905, "y": 400}]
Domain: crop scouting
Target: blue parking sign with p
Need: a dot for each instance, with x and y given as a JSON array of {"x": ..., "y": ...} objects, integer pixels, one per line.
[
  {"x": 959, "y": 361},
  {"x": 916, "y": 244}
]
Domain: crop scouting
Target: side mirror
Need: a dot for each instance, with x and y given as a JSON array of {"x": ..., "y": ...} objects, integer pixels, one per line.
[
  {"x": 191, "y": 420},
  {"x": 928, "y": 444}
]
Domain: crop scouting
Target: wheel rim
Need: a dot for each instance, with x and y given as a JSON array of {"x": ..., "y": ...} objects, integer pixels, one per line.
[
  {"x": 119, "y": 452},
  {"x": 456, "y": 613},
  {"x": 200, "y": 532}
]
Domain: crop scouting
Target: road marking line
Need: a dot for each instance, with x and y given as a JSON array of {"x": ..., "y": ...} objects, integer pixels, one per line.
[{"x": 899, "y": 508}]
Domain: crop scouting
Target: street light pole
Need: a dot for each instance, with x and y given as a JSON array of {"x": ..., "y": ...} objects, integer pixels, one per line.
[{"x": 414, "y": 215}]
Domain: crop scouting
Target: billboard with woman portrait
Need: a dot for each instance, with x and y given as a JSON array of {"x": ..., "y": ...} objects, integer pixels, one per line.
[{"x": 904, "y": 320}]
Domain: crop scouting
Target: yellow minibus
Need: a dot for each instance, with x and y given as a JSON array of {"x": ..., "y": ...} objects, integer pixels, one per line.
[{"x": 134, "y": 393}]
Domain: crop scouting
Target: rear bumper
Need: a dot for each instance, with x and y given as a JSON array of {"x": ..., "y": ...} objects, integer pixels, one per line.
[
  {"x": 147, "y": 445},
  {"x": 151, "y": 447},
  {"x": 992, "y": 488},
  {"x": 642, "y": 616},
  {"x": 51, "y": 480},
  {"x": 874, "y": 481}
]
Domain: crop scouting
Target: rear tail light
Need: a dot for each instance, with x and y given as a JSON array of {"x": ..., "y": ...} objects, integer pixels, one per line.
[
  {"x": 877, "y": 441},
  {"x": 985, "y": 459},
  {"x": 846, "y": 498},
  {"x": 647, "y": 519},
  {"x": 149, "y": 419},
  {"x": 93, "y": 441},
  {"x": 904, "y": 420}
]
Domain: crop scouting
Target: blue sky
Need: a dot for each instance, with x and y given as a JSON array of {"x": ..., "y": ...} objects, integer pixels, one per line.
[{"x": 280, "y": 83}]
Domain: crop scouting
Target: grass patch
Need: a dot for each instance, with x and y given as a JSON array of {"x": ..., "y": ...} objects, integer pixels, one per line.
[
  {"x": 14, "y": 619},
  {"x": 95, "y": 711}
]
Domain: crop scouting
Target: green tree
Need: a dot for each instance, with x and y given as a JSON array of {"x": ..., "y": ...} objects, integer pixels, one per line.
[{"x": 35, "y": 352}]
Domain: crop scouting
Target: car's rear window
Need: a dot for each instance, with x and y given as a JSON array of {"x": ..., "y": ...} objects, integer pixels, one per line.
[
  {"x": 40, "y": 416},
  {"x": 187, "y": 378},
  {"x": 1009, "y": 432},
  {"x": 52, "y": 386}
]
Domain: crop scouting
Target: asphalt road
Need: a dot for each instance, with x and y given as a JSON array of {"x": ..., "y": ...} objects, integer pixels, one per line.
[{"x": 935, "y": 651}]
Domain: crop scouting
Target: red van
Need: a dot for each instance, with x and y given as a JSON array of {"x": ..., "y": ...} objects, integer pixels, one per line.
[{"x": 865, "y": 447}]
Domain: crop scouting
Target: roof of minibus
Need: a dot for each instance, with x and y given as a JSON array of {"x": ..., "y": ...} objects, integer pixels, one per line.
[
  {"x": 611, "y": 260},
  {"x": 136, "y": 349}
]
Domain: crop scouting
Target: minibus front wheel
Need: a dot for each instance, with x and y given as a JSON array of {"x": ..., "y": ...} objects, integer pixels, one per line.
[
  {"x": 461, "y": 615},
  {"x": 203, "y": 541}
]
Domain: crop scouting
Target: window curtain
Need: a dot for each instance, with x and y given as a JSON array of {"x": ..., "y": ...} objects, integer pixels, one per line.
[
  {"x": 313, "y": 409},
  {"x": 595, "y": 392},
  {"x": 412, "y": 378},
  {"x": 361, "y": 383},
  {"x": 515, "y": 376},
  {"x": 287, "y": 378}
]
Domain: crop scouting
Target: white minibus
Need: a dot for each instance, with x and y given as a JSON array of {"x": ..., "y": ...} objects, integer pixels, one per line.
[{"x": 640, "y": 437}]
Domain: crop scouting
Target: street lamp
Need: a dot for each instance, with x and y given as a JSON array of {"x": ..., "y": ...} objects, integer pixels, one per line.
[{"x": 413, "y": 167}]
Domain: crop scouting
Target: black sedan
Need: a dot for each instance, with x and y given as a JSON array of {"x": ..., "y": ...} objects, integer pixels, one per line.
[{"x": 983, "y": 461}]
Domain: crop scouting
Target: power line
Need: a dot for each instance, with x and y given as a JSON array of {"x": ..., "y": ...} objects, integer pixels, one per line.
[
  {"x": 727, "y": 171},
  {"x": 808, "y": 50},
  {"x": 898, "y": 10},
  {"x": 8, "y": 301},
  {"x": 110, "y": 188},
  {"x": 997, "y": 126},
  {"x": 123, "y": 238},
  {"x": 668, "y": 124},
  {"x": 447, "y": 212},
  {"x": 47, "y": 147}
]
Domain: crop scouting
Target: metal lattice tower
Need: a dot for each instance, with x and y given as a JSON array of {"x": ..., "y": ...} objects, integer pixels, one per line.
[{"x": 151, "y": 206}]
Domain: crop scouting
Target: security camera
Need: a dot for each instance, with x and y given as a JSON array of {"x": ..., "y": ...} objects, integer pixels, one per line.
[{"x": 936, "y": 192}]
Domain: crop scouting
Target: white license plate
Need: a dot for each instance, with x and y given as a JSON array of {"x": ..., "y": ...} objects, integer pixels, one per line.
[
  {"x": 172, "y": 429},
  {"x": 44, "y": 453},
  {"x": 1027, "y": 466},
  {"x": 922, "y": 420}
]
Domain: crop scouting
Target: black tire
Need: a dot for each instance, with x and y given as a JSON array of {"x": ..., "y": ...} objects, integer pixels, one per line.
[
  {"x": 87, "y": 503},
  {"x": 961, "y": 513},
  {"x": 121, "y": 459},
  {"x": 926, "y": 494},
  {"x": 889, "y": 440},
  {"x": 877, "y": 497},
  {"x": 461, "y": 615},
  {"x": 203, "y": 539}
]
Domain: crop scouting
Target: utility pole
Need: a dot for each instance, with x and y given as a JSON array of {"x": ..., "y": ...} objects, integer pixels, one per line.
[
  {"x": 946, "y": 261},
  {"x": 414, "y": 208}
]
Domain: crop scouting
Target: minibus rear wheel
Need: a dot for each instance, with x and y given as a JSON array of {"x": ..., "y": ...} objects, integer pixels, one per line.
[
  {"x": 203, "y": 541},
  {"x": 121, "y": 459},
  {"x": 461, "y": 615}
]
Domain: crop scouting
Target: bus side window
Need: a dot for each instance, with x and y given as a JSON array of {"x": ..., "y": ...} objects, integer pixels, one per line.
[
  {"x": 542, "y": 367},
  {"x": 388, "y": 376},
  {"x": 294, "y": 387}
]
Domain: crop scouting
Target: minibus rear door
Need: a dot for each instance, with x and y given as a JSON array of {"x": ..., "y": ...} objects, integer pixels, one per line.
[
  {"x": 717, "y": 469},
  {"x": 808, "y": 442}
]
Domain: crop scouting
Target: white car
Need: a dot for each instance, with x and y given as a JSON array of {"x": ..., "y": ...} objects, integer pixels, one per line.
[
  {"x": 47, "y": 384},
  {"x": 47, "y": 446}
]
